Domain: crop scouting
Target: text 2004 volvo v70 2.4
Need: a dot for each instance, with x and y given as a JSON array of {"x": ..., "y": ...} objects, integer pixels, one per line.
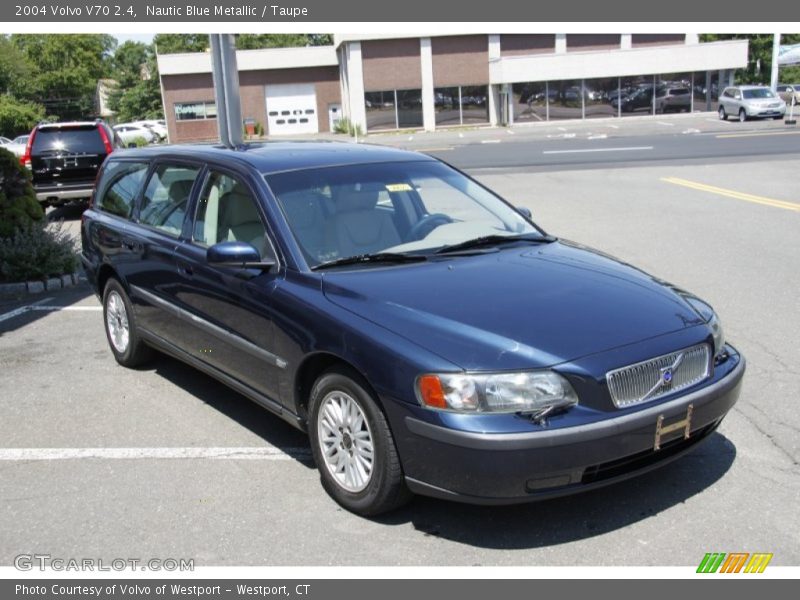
[{"x": 427, "y": 335}]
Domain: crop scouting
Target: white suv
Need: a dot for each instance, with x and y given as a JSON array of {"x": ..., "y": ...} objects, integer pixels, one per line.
[{"x": 750, "y": 101}]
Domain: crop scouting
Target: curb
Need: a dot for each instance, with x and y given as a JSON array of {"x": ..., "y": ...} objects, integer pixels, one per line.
[{"x": 23, "y": 288}]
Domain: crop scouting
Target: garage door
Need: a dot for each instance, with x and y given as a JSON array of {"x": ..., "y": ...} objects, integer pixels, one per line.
[{"x": 291, "y": 109}]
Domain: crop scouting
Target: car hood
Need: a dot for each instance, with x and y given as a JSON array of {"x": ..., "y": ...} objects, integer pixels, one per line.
[{"x": 520, "y": 307}]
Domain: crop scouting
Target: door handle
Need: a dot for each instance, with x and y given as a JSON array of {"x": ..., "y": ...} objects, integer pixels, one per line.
[
  {"x": 185, "y": 270},
  {"x": 131, "y": 245}
]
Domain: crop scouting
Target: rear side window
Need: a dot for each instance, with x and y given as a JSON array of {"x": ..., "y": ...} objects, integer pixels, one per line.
[
  {"x": 167, "y": 196},
  {"x": 124, "y": 182},
  {"x": 68, "y": 140}
]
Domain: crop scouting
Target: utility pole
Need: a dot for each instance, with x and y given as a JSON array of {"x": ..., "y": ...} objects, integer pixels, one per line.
[
  {"x": 776, "y": 46},
  {"x": 226, "y": 89}
]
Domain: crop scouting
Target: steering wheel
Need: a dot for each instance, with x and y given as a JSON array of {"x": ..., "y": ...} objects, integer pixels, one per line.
[{"x": 426, "y": 224}]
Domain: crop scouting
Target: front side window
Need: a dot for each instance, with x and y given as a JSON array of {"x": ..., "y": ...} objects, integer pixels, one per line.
[
  {"x": 408, "y": 207},
  {"x": 125, "y": 181},
  {"x": 166, "y": 198},
  {"x": 227, "y": 211}
]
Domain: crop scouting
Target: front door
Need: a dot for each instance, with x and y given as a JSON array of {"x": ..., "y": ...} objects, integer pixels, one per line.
[{"x": 230, "y": 308}]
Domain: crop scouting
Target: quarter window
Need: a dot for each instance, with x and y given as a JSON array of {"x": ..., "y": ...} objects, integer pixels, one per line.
[
  {"x": 166, "y": 197},
  {"x": 125, "y": 182},
  {"x": 227, "y": 211}
]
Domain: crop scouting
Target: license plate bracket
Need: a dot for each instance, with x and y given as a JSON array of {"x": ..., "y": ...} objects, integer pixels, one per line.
[{"x": 662, "y": 430}]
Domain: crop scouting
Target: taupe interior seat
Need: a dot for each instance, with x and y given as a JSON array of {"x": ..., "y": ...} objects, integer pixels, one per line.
[{"x": 359, "y": 226}]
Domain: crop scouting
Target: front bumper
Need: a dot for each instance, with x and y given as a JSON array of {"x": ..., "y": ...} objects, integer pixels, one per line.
[
  {"x": 767, "y": 112},
  {"x": 509, "y": 468}
]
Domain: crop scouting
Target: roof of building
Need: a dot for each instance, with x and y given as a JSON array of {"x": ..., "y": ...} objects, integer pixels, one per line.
[{"x": 275, "y": 157}]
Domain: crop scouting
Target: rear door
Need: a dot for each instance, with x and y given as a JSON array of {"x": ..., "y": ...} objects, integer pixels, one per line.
[
  {"x": 151, "y": 243},
  {"x": 67, "y": 154}
]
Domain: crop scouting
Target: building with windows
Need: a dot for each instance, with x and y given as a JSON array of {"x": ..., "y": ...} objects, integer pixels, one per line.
[{"x": 390, "y": 82}]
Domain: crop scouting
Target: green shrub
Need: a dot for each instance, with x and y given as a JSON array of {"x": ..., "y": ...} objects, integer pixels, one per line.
[
  {"x": 259, "y": 129},
  {"x": 18, "y": 204},
  {"x": 344, "y": 125},
  {"x": 36, "y": 252},
  {"x": 138, "y": 141},
  {"x": 17, "y": 116}
]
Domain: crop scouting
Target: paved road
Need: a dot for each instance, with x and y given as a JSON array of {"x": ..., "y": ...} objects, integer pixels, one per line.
[
  {"x": 739, "y": 492},
  {"x": 588, "y": 151}
]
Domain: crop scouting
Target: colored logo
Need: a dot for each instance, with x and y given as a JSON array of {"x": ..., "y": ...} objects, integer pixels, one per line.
[{"x": 734, "y": 562}]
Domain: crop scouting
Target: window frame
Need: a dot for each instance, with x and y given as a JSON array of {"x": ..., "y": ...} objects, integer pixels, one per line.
[
  {"x": 244, "y": 179},
  {"x": 101, "y": 192},
  {"x": 154, "y": 165}
]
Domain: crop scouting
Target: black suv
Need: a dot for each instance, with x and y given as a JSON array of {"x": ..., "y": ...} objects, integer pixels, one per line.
[{"x": 64, "y": 159}]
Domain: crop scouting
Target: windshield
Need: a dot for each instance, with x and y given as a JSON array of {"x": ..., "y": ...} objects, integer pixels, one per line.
[
  {"x": 409, "y": 207},
  {"x": 758, "y": 93}
]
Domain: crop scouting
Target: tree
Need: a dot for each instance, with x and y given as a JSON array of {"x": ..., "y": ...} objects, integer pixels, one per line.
[
  {"x": 17, "y": 116},
  {"x": 64, "y": 71},
  {"x": 256, "y": 41},
  {"x": 175, "y": 43},
  {"x": 14, "y": 66},
  {"x": 759, "y": 63},
  {"x": 137, "y": 94}
]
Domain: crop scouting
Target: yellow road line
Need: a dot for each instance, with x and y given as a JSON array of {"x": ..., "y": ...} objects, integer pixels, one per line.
[
  {"x": 738, "y": 135},
  {"x": 732, "y": 194}
]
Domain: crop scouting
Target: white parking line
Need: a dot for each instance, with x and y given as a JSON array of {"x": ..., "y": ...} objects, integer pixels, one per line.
[
  {"x": 39, "y": 306},
  {"x": 22, "y": 310},
  {"x": 255, "y": 453},
  {"x": 68, "y": 308},
  {"x": 629, "y": 149}
]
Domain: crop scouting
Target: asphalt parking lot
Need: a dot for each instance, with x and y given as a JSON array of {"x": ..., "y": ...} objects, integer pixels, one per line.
[{"x": 164, "y": 461}]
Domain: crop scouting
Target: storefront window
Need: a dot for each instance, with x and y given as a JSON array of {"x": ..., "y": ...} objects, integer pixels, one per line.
[
  {"x": 192, "y": 111},
  {"x": 674, "y": 93},
  {"x": 597, "y": 97},
  {"x": 380, "y": 110},
  {"x": 446, "y": 105},
  {"x": 636, "y": 95},
  {"x": 474, "y": 104},
  {"x": 529, "y": 101},
  {"x": 409, "y": 108},
  {"x": 565, "y": 99}
]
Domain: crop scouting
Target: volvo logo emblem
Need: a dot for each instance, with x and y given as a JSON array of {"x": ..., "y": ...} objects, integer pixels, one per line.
[{"x": 666, "y": 375}]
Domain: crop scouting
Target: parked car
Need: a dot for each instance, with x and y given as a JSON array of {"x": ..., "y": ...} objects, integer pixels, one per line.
[
  {"x": 673, "y": 99},
  {"x": 158, "y": 127},
  {"x": 789, "y": 93},
  {"x": 130, "y": 133},
  {"x": 640, "y": 98},
  {"x": 427, "y": 335},
  {"x": 64, "y": 159},
  {"x": 750, "y": 101},
  {"x": 17, "y": 145},
  {"x": 4, "y": 141}
]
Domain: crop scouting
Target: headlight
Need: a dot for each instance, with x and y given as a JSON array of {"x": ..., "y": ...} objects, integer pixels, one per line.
[
  {"x": 719, "y": 335},
  {"x": 532, "y": 391}
]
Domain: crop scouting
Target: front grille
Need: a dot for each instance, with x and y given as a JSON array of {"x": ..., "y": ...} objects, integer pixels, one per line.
[{"x": 659, "y": 376}]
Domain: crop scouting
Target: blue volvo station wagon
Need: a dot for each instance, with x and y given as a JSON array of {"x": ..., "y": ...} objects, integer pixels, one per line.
[{"x": 427, "y": 335}]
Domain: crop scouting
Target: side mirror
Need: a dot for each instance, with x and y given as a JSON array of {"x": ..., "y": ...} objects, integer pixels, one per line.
[
  {"x": 525, "y": 212},
  {"x": 237, "y": 254}
]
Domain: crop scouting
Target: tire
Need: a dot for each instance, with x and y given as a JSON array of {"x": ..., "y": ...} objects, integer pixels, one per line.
[
  {"x": 742, "y": 115},
  {"x": 722, "y": 114},
  {"x": 120, "y": 324},
  {"x": 345, "y": 422}
]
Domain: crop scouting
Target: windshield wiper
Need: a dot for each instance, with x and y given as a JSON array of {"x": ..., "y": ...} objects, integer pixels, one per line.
[
  {"x": 494, "y": 240},
  {"x": 378, "y": 257}
]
